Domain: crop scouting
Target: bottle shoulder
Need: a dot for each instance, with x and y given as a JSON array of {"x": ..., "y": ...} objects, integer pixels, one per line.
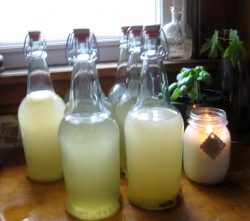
[
  {"x": 88, "y": 118},
  {"x": 43, "y": 97},
  {"x": 154, "y": 114}
]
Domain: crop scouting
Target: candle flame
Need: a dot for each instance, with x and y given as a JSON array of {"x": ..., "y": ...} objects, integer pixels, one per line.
[
  {"x": 209, "y": 129},
  {"x": 206, "y": 116}
]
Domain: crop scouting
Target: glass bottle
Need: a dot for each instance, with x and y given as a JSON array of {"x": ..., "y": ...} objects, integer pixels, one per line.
[
  {"x": 207, "y": 145},
  {"x": 119, "y": 87},
  {"x": 153, "y": 134},
  {"x": 40, "y": 114},
  {"x": 235, "y": 83},
  {"x": 178, "y": 35},
  {"x": 89, "y": 139},
  {"x": 132, "y": 88}
]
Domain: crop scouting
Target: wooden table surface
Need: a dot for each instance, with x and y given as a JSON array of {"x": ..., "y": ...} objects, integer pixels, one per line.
[{"x": 24, "y": 200}]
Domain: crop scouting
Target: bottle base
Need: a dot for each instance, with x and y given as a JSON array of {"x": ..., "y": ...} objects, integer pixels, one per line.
[
  {"x": 168, "y": 204},
  {"x": 93, "y": 213},
  {"x": 44, "y": 180},
  {"x": 207, "y": 183}
]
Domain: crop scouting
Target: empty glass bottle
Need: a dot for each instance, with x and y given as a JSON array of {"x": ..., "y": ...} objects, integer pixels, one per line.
[
  {"x": 179, "y": 35},
  {"x": 119, "y": 87},
  {"x": 40, "y": 114},
  {"x": 132, "y": 88},
  {"x": 153, "y": 133},
  {"x": 89, "y": 140}
]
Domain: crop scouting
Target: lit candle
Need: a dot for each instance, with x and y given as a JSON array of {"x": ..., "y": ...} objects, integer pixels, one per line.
[{"x": 207, "y": 146}]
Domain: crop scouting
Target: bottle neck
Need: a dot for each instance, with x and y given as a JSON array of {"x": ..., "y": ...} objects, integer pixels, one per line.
[
  {"x": 122, "y": 64},
  {"x": 86, "y": 89},
  {"x": 133, "y": 72},
  {"x": 153, "y": 80},
  {"x": 134, "y": 42},
  {"x": 152, "y": 48},
  {"x": 81, "y": 51},
  {"x": 177, "y": 14},
  {"x": 153, "y": 84},
  {"x": 38, "y": 75}
]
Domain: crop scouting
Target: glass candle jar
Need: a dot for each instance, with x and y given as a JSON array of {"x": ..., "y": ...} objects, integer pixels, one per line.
[{"x": 207, "y": 145}]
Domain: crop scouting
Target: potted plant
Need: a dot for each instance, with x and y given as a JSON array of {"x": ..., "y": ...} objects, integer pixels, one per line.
[
  {"x": 187, "y": 85},
  {"x": 186, "y": 90},
  {"x": 226, "y": 45}
]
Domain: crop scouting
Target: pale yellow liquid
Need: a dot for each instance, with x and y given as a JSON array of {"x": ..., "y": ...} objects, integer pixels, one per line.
[
  {"x": 121, "y": 111},
  {"x": 154, "y": 138},
  {"x": 90, "y": 158},
  {"x": 39, "y": 115}
]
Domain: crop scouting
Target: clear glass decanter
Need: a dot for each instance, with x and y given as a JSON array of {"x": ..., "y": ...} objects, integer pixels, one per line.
[
  {"x": 132, "y": 88},
  {"x": 153, "y": 133},
  {"x": 178, "y": 35},
  {"x": 119, "y": 87},
  {"x": 40, "y": 114},
  {"x": 89, "y": 140}
]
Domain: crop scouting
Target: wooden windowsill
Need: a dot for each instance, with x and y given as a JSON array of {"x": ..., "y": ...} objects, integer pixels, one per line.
[
  {"x": 13, "y": 82},
  {"x": 108, "y": 69}
]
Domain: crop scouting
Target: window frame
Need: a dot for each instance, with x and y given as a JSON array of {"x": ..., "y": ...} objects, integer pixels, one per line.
[{"x": 108, "y": 47}]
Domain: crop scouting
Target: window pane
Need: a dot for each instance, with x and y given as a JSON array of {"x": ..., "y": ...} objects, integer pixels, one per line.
[{"x": 56, "y": 18}]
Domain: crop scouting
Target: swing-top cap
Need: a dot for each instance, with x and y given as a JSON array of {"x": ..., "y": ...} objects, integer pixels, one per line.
[
  {"x": 34, "y": 35},
  {"x": 152, "y": 30},
  {"x": 81, "y": 33},
  {"x": 136, "y": 29}
]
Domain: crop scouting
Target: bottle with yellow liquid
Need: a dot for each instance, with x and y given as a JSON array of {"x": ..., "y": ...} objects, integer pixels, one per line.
[
  {"x": 153, "y": 134},
  {"x": 128, "y": 99},
  {"x": 89, "y": 140},
  {"x": 40, "y": 114}
]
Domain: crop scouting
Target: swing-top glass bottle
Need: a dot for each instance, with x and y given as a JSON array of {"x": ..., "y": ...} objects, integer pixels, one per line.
[
  {"x": 132, "y": 88},
  {"x": 89, "y": 140},
  {"x": 153, "y": 133},
  {"x": 40, "y": 114},
  {"x": 118, "y": 89}
]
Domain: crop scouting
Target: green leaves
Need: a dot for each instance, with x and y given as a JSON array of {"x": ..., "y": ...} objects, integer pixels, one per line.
[
  {"x": 188, "y": 83},
  {"x": 225, "y": 42},
  {"x": 213, "y": 45},
  {"x": 233, "y": 35},
  {"x": 233, "y": 51}
]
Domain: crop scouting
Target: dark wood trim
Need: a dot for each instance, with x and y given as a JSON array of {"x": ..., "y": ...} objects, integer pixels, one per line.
[
  {"x": 206, "y": 16},
  {"x": 192, "y": 20}
]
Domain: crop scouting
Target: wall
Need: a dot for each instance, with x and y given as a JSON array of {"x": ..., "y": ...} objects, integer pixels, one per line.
[
  {"x": 205, "y": 16},
  {"x": 243, "y": 23}
]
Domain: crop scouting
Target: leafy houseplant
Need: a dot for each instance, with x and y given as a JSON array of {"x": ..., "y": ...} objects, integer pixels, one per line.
[
  {"x": 186, "y": 91},
  {"x": 235, "y": 83},
  {"x": 187, "y": 85},
  {"x": 225, "y": 42}
]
